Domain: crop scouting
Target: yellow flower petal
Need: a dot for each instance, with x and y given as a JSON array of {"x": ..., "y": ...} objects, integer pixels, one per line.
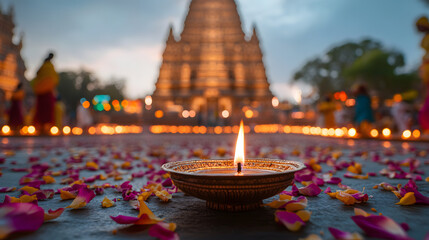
[
  {"x": 304, "y": 215},
  {"x": 48, "y": 179},
  {"x": 106, "y": 203},
  {"x": 408, "y": 199},
  {"x": 29, "y": 189}
]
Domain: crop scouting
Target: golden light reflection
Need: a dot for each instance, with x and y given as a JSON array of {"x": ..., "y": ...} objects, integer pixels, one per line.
[
  {"x": 5, "y": 129},
  {"x": 374, "y": 133},
  {"x": 31, "y": 130},
  {"x": 416, "y": 133},
  {"x": 54, "y": 130},
  {"x": 406, "y": 134},
  {"x": 386, "y": 132},
  {"x": 66, "y": 130},
  {"x": 352, "y": 132},
  {"x": 387, "y": 144}
]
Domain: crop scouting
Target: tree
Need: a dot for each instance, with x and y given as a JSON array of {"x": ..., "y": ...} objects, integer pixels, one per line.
[
  {"x": 74, "y": 86},
  {"x": 325, "y": 73},
  {"x": 379, "y": 70}
]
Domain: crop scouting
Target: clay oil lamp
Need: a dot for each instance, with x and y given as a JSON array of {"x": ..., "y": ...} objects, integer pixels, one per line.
[{"x": 233, "y": 184}]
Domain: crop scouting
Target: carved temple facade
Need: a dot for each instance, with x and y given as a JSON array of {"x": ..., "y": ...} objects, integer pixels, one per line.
[
  {"x": 213, "y": 66},
  {"x": 12, "y": 67}
]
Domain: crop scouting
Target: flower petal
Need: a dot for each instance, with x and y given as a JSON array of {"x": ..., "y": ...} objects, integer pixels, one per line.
[
  {"x": 304, "y": 215},
  {"x": 290, "y": 220},
  {"x": 310, "y": 190},
  {"x": 380, "y": 227},
  {"x": 19, "y": 217},
  {"x": 341, "y": 235},
  {"x": 164, "y": 231},
  {"x": 52, "y": 214},
  {"x": 106, "y": 203},
  {"x": 408, "y": 199},
  {"x": 121, "y": 219},
  {"x": 84, "y": 197}
]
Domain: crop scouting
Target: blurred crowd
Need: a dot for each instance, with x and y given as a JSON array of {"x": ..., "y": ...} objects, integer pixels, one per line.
[{"x": 47, "y": 111}]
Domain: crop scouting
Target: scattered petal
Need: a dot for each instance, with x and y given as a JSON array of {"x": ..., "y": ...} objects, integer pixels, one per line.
[
  {"x": 164, "y": 231},
  {"x": 380, "y": 227},
  {"x": 52, "y": 214},
  {"x": 341, "y": 235},
  {"x": 84, "y": 196},
  {"x": 19, "y": 217},
  {"x": 310, "y": 190},
  {"x": 408, "y": 199},
  {"x": 290, "y": 220},
  {"x": 107, "y": 203}
]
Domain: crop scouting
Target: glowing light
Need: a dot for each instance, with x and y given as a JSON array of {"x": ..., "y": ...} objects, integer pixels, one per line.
[
  {"x": 54, "y": 130},
  {"x": 31, "y": 130},
  {"x": 66, "y": 130},
  {"x": 5, "y": 129},
  {"x": 286, "y": 129},
  {"x": 115, "y": 103},
  {"x": 124, "y": 103},
  {"x": 350, "y": 102},
  {"x": 275, "y": 102},
  {"x": 406, "y": 134},
  {"x": 248, "y": 113},
  {"x": 352, "y": 132},
  {"x": 387, "y": 144},
  {"x": 107, "y": 107},
  {"x": 77, "y": 131},
  {"x": 416, "y": 133},
  {"x": 86, "y": 104},
  {"x": 92, "y": 130},
  {"x": 373, "y": 133},
  {"x": 397, "y": 98},
  {"x": 297, "y": 115},
  {"x": 192, "y": 113},
  {"x": 331, "y": 132},
  {"x": 218, "y": 130},
  {"x": 386, "y": 132},
  {"x": 239, "y": 147},
  {"x": 185, "y": 114},
  {"x": 148, "y": 100},
  {"x": 339, "y": 132},
  {"x": 225, "y": 114},
  {"x": 306, "y": 130},
  {"x": 119, "y": 129},
  {"x": 159, "y": 114},
  {"x": 325, "y": 132}
]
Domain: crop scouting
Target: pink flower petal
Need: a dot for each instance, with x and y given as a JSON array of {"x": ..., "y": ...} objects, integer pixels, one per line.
[
  {"x": 310, "y": 190},
  {"x": 290, "y": 220},
  {"x": 84, "y": 196},
  {"x": 380, "y": 227},
  {"x": 163, "y": 231},
  {"x": 121, "y": 219},
  {"x": 341, "y": 235},
  {"x": 20, "y": 217}
]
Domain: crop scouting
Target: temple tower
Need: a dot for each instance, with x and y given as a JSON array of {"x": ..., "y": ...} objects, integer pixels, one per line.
[
  {"x": 12, "y": 66},
  {"x": 212, "y": 67}
]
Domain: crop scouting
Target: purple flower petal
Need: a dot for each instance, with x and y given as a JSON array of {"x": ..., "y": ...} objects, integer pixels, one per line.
[
  {"x": 341, "y": 235},
  {"x": 290, "y": 220},
  {"x": 20, "y": 217},
  {"x": 310, "y": 190},
  {"x": 380, "y": 227},
  {"x": 163, "y": 231},
  {"x": 121, "y": 219}
]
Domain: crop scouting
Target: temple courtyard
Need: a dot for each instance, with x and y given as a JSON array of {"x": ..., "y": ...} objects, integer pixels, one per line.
[{"x": 98, "y": 160}]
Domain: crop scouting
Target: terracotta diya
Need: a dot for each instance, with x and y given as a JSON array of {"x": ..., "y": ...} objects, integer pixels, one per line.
[{"x": 233, "y": 184}]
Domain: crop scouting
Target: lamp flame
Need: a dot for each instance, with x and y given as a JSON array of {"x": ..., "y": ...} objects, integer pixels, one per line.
[{"x": 239, "y": 149}]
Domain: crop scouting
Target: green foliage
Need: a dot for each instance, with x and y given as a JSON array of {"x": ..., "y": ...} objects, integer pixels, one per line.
[
  {"x": 367, "y": 61},
  {"x": 379, "y": 70},
  {"x": 326, "y": 73},
  {"x": 83, "y": 84}
]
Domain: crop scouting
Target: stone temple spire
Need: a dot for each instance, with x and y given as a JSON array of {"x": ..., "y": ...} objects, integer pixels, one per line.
[{"x": 212, "y": 68}]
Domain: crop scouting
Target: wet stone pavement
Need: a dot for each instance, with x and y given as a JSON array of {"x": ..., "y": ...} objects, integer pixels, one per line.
[{"x": 193, "y": 219}]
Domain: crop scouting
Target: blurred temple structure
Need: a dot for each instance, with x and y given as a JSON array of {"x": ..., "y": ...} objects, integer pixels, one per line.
[
  {"x": 214, "y": 70},
  {"x": 12, "y": 67}
]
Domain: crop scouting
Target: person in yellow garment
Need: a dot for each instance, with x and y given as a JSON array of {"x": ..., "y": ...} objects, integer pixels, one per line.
[
  {"x": 44, "y": 86},
  {"x": 327, "y": 108}
]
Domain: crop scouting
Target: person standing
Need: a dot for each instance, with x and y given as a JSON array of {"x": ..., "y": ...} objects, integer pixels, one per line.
[
  {"x": 16, "y": 117},
  {"x": 44, "y": 86},
  {"x": 327, "y": 108},
  {"x": 364, "y": 116}
]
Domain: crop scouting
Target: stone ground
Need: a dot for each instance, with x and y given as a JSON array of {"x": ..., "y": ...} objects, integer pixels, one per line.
[{"x": 193, "y": 219}]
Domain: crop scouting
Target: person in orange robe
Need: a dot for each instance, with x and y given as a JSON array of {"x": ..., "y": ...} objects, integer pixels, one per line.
[
  {"x": 16, "y": 117},
  {"x": 44, "y": 85}
]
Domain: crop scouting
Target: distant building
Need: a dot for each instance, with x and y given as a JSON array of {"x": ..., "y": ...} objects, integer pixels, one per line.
[
  {"x": 213, "y": 69},
  {"x": 12, "y": 67}
]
